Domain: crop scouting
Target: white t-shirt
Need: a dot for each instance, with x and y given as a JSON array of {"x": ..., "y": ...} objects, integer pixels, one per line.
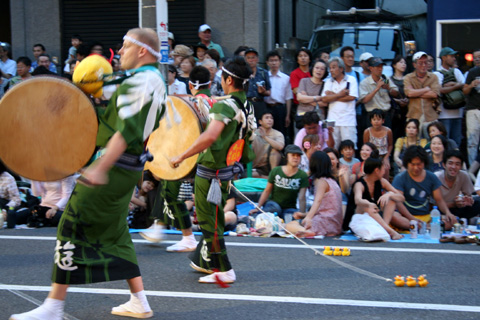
[{"x": 342, "y": 112}]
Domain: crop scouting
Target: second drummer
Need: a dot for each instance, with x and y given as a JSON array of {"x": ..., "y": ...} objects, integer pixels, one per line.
[{"x": 223, "y": 130}]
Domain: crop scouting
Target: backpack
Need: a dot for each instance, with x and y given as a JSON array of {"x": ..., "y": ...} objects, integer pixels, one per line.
[{"x": 454, "y": 99}]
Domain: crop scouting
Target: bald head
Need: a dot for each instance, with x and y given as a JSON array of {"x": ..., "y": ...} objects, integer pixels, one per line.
[{"x": 147, "y": 36}]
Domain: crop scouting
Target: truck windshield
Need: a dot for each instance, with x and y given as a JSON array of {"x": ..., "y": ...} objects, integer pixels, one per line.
[{"x": 384, "y": 43}]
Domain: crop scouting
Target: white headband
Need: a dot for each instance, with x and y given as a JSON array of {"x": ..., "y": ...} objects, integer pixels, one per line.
[
  {"x": 144, "y": 45},
  {"x": 197, "y": 84},
  {"x": 234, "y": 75}
]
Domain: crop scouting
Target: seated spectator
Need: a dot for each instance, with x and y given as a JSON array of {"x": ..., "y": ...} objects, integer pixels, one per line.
[
  {"x": 55, "y": 195},
  {"x": 174, "y": 85},
  {"x": 368, "y": 150},
  {"x": 436, "y": 128},
  {"x": 9, "y": 194},
  {"x": 412, "y": 138},
  {"x": 340, "y": 172},
  {"x": 285, "y": 184},
  {"x": 179, "y": 53},
  {"x": 419, "y": 186},
  {"x": 457, "y": 188},
  {"x": 325, "y": 216},
  {"x": 309, "y": 146},
  {"x": 381, "y": 137},
  {"x": 142, "y": 202},
  {"x": 374, "y": 195},
  {"x": 231, "y": 212},
  {"x": 23, "y": 71},
  {"x": 313, "y": 125},
  {"x": 38, "y": 50},
  {"x": 347, "y": 151},
  {"x": 438, "y": 147},
  {"x": 267, "y": 144}
]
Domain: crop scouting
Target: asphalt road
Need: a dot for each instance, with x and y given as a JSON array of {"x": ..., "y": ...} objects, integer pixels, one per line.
[{"x": 276, "y": 279}]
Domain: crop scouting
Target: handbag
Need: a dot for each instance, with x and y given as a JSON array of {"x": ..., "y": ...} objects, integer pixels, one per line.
[
  {"x": 367, "y": 229},
  {"x": 454, "y": 99}
]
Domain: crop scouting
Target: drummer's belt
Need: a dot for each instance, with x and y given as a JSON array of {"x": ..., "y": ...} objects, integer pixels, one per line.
[
  {"x": 223, "y": 174},
  {"x": 129, "y": 161}
]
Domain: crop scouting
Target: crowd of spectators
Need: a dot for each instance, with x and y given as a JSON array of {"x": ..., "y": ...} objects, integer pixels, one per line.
[{"x": 383, "y": 146}]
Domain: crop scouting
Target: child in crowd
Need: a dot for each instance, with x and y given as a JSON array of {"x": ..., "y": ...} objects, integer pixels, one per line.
[
  {"x": 381, "y": 137},
  {"x": 347, "y": 150},
  {"x": 310, "y": 144}
]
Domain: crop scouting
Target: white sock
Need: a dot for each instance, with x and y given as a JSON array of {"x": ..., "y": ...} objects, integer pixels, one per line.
[
  {"x": 50, "y": 309},
  {"x": 190, "y": 238},
  {"x": 140, "y": 298}
]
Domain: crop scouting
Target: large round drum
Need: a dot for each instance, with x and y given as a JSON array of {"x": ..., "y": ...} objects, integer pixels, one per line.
[
  {"x": 185, "y": 119},
  {"x": 48, "y": 129}
]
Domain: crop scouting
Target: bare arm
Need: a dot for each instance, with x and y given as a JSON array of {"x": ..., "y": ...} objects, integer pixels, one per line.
[
  {"x": 205, "y": 140},
  {"x": 468, "y": 87},
  {"x": 264, "y": 197},
  {"x": 302, "y": 199},
  {"x": 96, "y": 173}
]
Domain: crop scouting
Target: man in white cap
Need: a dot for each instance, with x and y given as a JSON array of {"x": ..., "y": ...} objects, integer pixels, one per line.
[
  {"x": 422, "y": 88},
  {"x": 205, "y": 35},
  {"x": 364, "y": 63}
]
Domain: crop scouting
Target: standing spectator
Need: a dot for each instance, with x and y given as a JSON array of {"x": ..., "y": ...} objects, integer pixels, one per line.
[
  {"x": 216, "y": 83},
  {"x": 419, "y": 186},
  {"x": 23, "y": 71},
  {"x": 364, "y": 57},
  {"x": 422, "y": 88},
  {"x": 179, "y": 53},
  {"x": 313, "y": 125},
  {"x": 381, "y": 136},
  {"x": 259, "y": 83},
  {"x": 348, "y": 56},
  {"x": 456, "y": 182},
  {"x": 7, "y": 67},
  {"x": 340, "y": 92},
  {"x": 399, "y": 65},
  {"x": 38, "y": 50},
  {"x": 476, "y": 61},
  {"x": 199, "y": 54},
  {"x": 286, "y": 184},
  {"x": 309, "y": 93},
  {"x": 375, "y": 91},
  {"x": 430, "y": 63},
  {"x": 267, "y": 144},
  {"x": 450, "y": 79},
  {"x": 472, "y": 94},
  {"x": 280, "y": 100},
  {"x": 174, "y": 85},
  {"x": 205, "y": 35},
  {"x": 303, "y": 60}
]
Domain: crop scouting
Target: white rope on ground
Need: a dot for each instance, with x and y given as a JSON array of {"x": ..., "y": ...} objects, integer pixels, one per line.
[
  {"x": 337, "y": 261},
  {"x": 33, "y": 300}
]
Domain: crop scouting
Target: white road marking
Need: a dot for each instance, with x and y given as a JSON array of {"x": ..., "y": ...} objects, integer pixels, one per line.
[
  {"x": 282, "y": 246},
  {"x": 256, "y": 298}
]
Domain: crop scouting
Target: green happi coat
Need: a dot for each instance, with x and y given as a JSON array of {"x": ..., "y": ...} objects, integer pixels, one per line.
[
  {"x": 93, "y": 240},
  {"x": 212, "y": 254}
]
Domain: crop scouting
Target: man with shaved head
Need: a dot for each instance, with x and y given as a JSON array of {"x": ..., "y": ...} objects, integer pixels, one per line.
[{"x": 93, "y": 240}]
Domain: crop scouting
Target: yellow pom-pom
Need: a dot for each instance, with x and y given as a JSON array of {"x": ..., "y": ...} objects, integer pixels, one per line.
[{"x": 88, "y": 74}]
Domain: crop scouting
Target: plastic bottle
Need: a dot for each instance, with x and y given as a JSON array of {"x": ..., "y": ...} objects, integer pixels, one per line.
[{"x": 435, "y": 224}]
